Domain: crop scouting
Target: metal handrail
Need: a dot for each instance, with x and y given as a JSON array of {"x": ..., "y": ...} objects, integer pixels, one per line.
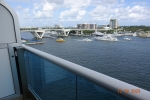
[{"x": 96, "y": 77}]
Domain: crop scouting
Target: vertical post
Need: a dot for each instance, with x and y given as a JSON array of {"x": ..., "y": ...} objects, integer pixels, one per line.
[
  {"x": 77, "y": 32},
  {"x": 20, "y": 61},
  {"x": 81, "y": 32}
]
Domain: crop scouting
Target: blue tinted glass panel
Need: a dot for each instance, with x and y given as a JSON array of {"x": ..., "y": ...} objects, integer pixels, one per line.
[
  {"x": 48, "y": 80},
  {"x": 51, "y": 82},
  {"x": 87, "y": 90}
]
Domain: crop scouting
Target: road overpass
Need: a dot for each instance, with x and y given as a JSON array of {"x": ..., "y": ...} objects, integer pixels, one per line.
[{"x": 62, "y": 32}]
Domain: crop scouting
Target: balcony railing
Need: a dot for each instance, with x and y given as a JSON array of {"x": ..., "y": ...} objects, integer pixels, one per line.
[{"x": 53, "y": 78}]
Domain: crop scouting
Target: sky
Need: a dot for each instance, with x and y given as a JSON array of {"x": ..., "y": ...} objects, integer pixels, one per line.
[{"x": 67, "y": 13}]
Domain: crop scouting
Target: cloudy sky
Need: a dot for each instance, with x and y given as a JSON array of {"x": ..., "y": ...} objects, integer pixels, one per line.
[{"x": 72, "y": 12}]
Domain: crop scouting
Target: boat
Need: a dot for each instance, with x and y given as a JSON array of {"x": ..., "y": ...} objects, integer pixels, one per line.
[
  {"x": 23, "y": 41},
  {"x": 87, "y": 39},
  {"x": 106, "y": 37},
  {"x": 134, "y": 34},
  {"x": 97, "y": 33},
  {"x": 60, "y": 40},
  {"x": 128, "y": 39},
  {"x": 53, "y": 34}
]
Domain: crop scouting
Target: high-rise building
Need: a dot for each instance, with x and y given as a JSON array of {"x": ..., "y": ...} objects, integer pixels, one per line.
[
  {"x": 113, "y": 23},
  {"x": 86, "y": 26}
]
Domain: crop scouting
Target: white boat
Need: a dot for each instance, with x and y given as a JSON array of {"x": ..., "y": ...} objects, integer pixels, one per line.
[
  {"x": 134, "y": 34},
  {"x": 23, "y": 41},
  {"x": 106, "y": 37},
  {"x": 87, "y": 40},
  {"x": 53, "y": 33},
  {"x": 128, "y": 39},
  {"x": 97, "y": 33}
]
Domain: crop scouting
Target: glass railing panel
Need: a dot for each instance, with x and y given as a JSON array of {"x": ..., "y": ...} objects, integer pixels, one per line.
[
  {"x": 48, "y": 80},
  {"x": 51, "y": 82},
  {"x": 87, "y": 90}
]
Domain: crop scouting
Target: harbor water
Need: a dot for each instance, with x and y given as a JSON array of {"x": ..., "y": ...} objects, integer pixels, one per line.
[{"x": 128, "y": 61}]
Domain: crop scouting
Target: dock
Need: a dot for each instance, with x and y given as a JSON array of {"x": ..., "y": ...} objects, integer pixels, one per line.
[{"x": 32, "y": 43}]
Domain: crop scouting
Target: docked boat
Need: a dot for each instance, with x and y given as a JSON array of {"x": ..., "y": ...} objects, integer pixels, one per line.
[
  {"x": 128, "y": 39},
  {"x": 60, "y": 40},
  {"x": 97, "y": 34},
  {"x": 23, "y": 41},
  {"x": 134, "y": 34},
  {"x": 106, "y": 37},
  {"x": 87, "y": 39}
]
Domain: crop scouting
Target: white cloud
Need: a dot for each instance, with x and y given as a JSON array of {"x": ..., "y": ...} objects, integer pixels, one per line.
[
  {"x": 26, "y": 10},
  {"x": 36, "y": 6},
  {"x": 104, "y": 2},
  {"x": 101, "y": 13},
  {"x": 81, "y": 4},
  {"x": 81, "y": 10},
  {"x": 48, "y": 7},
  {"x": 44, "y": 9},
  {"x": 136, "y": 12},
  {"x": 139, "y": 3},
  {"x": 76, "y": 10},
  {"x": 19, "y": 7},
  {"x": 73, "y": 14},
  {"x": 121, "y": 0},
  {"x": 56, "y": 1}
]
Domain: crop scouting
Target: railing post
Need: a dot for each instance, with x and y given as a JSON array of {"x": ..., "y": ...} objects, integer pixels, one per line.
[{"x": 20, "y": 62}]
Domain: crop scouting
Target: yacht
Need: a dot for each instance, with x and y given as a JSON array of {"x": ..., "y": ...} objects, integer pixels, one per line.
[
  {"x": 97, "y": 33},
  {"x": 106, "y": 37},
  {"x": 134, "y": 34}
]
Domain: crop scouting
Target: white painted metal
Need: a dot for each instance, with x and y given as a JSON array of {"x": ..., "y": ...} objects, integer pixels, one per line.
[
  {"x": 9, "y": 24},
  {"x": 38, "y": 33},
  {"x": 6, "y": 80},
  {"x": 9, "y": 34}
]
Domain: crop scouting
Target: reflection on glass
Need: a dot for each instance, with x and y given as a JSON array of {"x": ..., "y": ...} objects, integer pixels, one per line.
[
  {"x": 48, "y": 80},
  {"x": 51, "y": 82},
  {"x": 89, "y": 91}
]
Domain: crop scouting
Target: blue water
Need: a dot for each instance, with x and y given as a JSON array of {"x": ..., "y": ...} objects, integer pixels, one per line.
[{"x": 128, "y": 61}]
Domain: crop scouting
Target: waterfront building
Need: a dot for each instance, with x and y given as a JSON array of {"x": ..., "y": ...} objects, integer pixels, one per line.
[
  {"x": 87, "y": 26},
  {"x": 113, "y": 23}
]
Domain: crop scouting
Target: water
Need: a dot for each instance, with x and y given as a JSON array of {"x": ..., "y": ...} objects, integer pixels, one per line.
[{"x": 128, "y": 61}]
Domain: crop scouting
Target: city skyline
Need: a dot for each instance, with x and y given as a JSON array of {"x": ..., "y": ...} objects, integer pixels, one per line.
[{"x": 70, "y": 13}]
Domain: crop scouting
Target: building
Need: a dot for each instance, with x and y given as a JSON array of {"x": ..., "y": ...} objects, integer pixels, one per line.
[
  {"x": 101, "y": 26},
  {"x": 86, "y": 26},
  {"x": 113, "y": 23}
]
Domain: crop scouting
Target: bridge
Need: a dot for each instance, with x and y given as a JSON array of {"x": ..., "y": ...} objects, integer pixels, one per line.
[{"x": 62, "y": 32}]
